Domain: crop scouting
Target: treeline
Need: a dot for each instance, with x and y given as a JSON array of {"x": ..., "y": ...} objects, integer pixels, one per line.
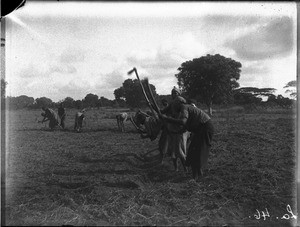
[
  {"x": 208, "y": 80},
  {"x": 241, "y": 97},
  {"x": 254, "y": 96},
  {"x": 129, "y": 95},
  {"x": 90, "y": 100}
]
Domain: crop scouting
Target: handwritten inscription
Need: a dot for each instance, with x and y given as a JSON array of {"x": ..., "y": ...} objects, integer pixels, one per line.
[
  {"x": 290, "y": 213},
  {"x": 264, "y": 214}
]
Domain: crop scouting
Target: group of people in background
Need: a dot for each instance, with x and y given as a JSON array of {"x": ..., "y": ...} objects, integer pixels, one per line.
[{"x": 58, "y": 119}]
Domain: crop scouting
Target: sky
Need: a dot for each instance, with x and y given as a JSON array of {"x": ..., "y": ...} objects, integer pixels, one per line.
[{"x": 71, "y": 49}]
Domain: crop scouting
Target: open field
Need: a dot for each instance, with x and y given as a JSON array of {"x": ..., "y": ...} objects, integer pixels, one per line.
[{"x": 104, "y": 177}]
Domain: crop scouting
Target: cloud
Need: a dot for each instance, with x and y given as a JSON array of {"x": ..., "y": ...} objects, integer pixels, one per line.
[
  {"x": 32, "y": 71},
  {"x": 275, "y": 39},
  {"x": 160, "y": 64},
  {"x": 113, "y": 79},
  {"x": 46, "y": 66},
  {"x": 164, "y": 85},
  {"x": 109, "y": 57},
  {"x": 228, "y": 22},
  {"x": 62, "y": 68},
  {"x": 169, "y": 55},
  {"x": 251, "y": 80},
  {"x": 71, "y": 55},
  {"x": 257, "y": 67},
  {"x": 110, "y": 80},
  {"x": 76, "y": 88},
  {"x": 64, "y": 63},
  {"x": 269, "y": 73},
  {"x": 187, "y": 46},
  {"x": 34, "y": 87},
  {"x": 106, "y": 84},
  {"x": 40, "y": 70}
]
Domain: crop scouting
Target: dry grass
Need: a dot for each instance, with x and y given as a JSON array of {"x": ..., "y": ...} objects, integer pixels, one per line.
[{"x": 103, "y": 177}]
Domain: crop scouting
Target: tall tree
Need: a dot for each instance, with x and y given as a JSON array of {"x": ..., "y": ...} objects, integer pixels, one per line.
[
  {"x": 247, "y": 95},
  {"x": 209, "y": 78},
  {"x": 256, "y": 91},
  {"x": 104, "y": 102},
  {"x": 119, "y": 94},
  {"x": 20, "y": 102},
  {"x": 78, "y": 104},
  {"x": 131, "y": 92},
  {"x": 280, "y": 100},
  {"x": 271, "y": 98},
  {"x": 43, "y": 101},
  {"x": 242, "y": 98},
  {"x": 291, "y": 88},
  {"x": 68, "y": 102},
  {"x": 90, "y": 100}
]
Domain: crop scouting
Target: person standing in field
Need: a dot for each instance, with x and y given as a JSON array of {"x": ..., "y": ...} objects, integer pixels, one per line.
[
  {"x": 79, "y": 118},
  {"x": 121, "y": 118},
  {"x": 51, "y": 116},
  {"x": 200, "y": 125},
  {"x": 62, "y": 115},
  {"x": 163, "y": 140},
  {"x": 177, "y": 134}
]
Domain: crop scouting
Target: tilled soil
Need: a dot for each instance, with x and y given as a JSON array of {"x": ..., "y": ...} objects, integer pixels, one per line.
[{"x": 104, "y": 177}]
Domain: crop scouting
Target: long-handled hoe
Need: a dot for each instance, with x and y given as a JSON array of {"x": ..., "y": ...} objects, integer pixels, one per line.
[{"x": 144, "y": 93}]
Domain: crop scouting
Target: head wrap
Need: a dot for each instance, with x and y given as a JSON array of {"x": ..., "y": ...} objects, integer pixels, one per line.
[
  {"x": 177, "y": 102},
  {"x": 175, "y": 89}
]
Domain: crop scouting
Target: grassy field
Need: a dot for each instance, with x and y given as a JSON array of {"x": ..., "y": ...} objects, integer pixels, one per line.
[{"x": 104, "y": 177}]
